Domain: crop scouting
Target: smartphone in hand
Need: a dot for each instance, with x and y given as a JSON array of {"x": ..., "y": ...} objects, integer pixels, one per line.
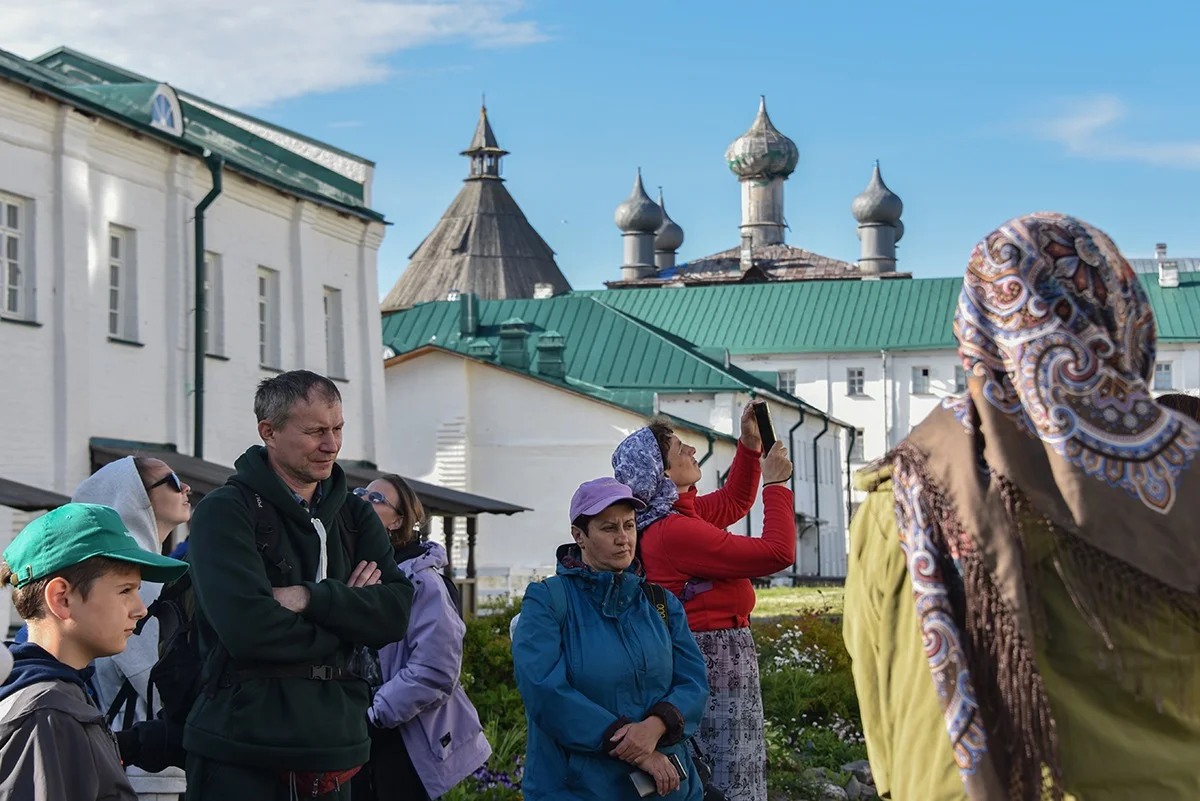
[{"x": 766, "y": 429}]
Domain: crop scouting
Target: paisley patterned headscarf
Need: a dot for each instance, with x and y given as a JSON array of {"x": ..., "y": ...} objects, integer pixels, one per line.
[
  {"x": 637, "y": 462},
  {"x": 1057, "y": 336}
]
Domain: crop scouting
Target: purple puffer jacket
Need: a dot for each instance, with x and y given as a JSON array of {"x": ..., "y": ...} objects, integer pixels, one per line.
[{"x": 421, "y": 695}]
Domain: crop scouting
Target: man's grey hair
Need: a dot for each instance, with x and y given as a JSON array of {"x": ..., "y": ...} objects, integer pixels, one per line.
[{"x": 276, "y": 396}]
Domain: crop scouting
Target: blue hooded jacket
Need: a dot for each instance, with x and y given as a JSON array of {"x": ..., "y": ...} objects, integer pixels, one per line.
[
  {"x": 32, "y": 664},
  {"x": 590, "y": 656}
]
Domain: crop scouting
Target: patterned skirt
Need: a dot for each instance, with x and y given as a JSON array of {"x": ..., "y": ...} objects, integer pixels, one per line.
[{"x": 731, "y": 731}]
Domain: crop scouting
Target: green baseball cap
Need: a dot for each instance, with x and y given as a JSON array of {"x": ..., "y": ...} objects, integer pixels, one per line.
[{"x": 75, "y": 533}]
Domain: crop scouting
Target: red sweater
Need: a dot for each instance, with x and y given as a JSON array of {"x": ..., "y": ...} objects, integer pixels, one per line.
[{"x": 694, "y": 544}]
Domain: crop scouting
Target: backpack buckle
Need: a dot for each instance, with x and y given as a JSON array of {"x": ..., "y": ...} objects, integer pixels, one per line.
[{"x": 321, "y": 672}]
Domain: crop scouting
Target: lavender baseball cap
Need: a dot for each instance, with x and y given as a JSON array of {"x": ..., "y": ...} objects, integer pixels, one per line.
[{"x": 596, "y": 495}]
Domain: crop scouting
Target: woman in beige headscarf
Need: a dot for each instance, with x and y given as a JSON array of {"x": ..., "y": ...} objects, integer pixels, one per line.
[{"x": 1032, "y": 547}]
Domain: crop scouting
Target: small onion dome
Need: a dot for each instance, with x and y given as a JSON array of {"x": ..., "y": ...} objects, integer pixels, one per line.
[
  {"x": 670, "y": 235},
  {"x": 638, "y": 214},
  {"x": 762, "y": 151},
  {"x": 877, "y": 203}
]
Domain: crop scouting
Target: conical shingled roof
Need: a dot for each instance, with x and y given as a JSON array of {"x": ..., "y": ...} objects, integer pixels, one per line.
[
  {"x": 483, "y": 244},
  {"x": 484, "y": 139}
]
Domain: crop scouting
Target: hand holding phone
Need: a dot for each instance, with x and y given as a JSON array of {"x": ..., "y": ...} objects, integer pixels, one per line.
[
  {"x": 658, "y": 773},
  {"x": 766, "y": 429}
]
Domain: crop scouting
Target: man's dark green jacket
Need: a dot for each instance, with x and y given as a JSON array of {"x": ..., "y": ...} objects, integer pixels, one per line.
[{"x": 287, "y": 724}]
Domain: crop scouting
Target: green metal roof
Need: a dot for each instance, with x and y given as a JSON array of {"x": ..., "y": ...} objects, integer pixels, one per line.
[
  {"x": 846, "y": 316},
  {"x": 1176, "y": 309},
  {"x": 608, "y": 354},
  {"x": 124, "y": 97},
  {"x": 800, "y": 316}
]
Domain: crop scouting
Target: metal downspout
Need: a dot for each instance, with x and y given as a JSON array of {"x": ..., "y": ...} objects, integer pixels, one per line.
[
  {"x": 817, "y": 489},
  {"x": 887, "y": 434},
  {"x": 711, "y": 441},
  {"x": 849, "y": 483},
  {"x": 792, "y": 451},
  {"x": 214, "y": 167}
]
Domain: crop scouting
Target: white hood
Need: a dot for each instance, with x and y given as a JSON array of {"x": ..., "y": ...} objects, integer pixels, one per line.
[{"x": 118, "y": 485}]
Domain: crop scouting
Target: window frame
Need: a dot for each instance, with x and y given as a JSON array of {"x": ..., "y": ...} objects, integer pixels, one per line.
[
  {"x": 335, "y": 332},
  {"x": 859, "y": 380},
  {"x": 267, "y": 317},
  {"x": 22, "y": 235},
  {"x": 784, "y": 379},
  {"x": 857, "y": 451},
  {"x": 960, "y": 379},
  {"x": 214, "y": 304},
  {"x": 1169, "y": 371},
  {"x": 925, "y": 374},
  {"x": 116, "y": 288}
]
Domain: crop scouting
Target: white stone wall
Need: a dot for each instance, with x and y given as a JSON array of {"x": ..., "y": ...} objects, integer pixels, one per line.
[{"x": 65, "y": 381}]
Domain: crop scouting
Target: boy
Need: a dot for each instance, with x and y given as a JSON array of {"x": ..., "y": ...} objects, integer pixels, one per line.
[{"x": 75, "y": 574}]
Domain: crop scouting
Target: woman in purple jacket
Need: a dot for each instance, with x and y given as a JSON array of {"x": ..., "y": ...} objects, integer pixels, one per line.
[{"x": 425, "y": 734}]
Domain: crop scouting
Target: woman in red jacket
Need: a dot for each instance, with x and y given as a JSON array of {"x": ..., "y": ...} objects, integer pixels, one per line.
[{"x": 685, "y": 548}]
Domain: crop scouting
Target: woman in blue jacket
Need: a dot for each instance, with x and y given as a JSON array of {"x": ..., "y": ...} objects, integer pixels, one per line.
[{"x": 610, "y": 688}]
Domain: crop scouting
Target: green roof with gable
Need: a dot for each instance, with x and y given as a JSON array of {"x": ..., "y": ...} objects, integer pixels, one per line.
[
  {"x": 846, "y": 316},
  {"x": 608, "y": 354},
  {"x": 125, "y": 97}
]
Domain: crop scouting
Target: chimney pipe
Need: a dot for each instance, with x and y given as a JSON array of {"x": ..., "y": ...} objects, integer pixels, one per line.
[
  {"x": 550, "y": 348},
  {"x": 1160, "y": 251},
  {"x": 746, "y": 259},
  {"x": 468, "y": 314},
  {"x": 513, "y": 338}
]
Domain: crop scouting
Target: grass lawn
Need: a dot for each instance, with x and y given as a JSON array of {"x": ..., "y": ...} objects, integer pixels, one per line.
[{"x": 782, "y": 601}]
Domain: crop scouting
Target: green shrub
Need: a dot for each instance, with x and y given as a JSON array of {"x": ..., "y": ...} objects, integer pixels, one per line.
[
  {"x": 809, "y": 701},
  {"x": 487, "y": 674}
]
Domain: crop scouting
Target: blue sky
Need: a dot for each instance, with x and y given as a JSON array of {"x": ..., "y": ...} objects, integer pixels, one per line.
[{"x": 976, "y": 114}]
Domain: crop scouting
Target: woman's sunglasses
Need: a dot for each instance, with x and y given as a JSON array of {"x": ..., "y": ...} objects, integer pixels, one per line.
[
  {"x": 375, "y": 498},
  {"x": 170, "y": 479}
]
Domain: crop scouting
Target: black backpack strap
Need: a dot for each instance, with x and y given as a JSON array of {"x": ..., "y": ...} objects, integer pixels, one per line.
[
  {"x": 267, "y": 536},
  {"x": 658, "y": 599},
  {"x": 126, "y": 697}
]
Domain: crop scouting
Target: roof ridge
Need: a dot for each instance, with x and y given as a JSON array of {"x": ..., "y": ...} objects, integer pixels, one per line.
[{"x": 136, "y": 76}]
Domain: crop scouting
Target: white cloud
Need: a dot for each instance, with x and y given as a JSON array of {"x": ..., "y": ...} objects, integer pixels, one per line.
[
  {"x": 247, "y": 53},
  {"x": 1087, "y": 130}
]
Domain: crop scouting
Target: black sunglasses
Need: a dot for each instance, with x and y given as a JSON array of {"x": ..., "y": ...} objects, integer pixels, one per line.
[
  {"x": 169, "y": 478},
  {"x": 376, "y": 497}
]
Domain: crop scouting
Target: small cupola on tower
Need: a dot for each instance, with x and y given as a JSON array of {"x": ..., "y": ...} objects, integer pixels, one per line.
[
  {"x": 484, "y": 152},
  {"x": 639, "y": 219},
  {"x": 878, "y": 211},
  {"x": 668, "y": 239},
  {"x": 762, "y": 159}
]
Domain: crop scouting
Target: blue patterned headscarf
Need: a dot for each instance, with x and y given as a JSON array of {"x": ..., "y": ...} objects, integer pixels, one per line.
[{"x": 637, "y": 462}]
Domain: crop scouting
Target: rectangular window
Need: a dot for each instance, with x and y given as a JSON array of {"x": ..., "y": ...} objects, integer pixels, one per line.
[
  {"x": 856, "y": 450},
  {"x": 214, "y": 305},
  {"x": 117, "y": 241},
  {"x": 960, "y": 380},
  {"x": 787, "y": 381},
  {"x": 920, "y": 380},
  {"x": 268, "y": 318},
  {"x": 1163, "y": 379},
  {"x": 335, "y": 351},
  {"x": 16, "y": 279},
  {"x": 854, "y": 380}
]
